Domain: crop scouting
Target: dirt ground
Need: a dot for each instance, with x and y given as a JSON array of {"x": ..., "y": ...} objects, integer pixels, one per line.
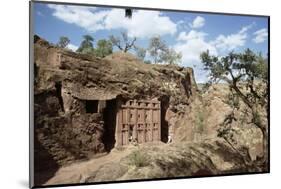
[{"x": 78, "y": 172}]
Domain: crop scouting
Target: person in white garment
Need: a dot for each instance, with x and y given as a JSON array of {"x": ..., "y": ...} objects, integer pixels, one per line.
[{"x": 169, "y": 139}]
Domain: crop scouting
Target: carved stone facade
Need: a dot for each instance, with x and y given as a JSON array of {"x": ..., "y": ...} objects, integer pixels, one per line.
[{"x": 138, "y": 120}]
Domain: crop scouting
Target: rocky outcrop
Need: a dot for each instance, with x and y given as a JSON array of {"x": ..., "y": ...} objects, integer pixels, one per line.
[
  {"x": 209, "y": 157},
  {"x": 76, "y": 100},
  {"x": 203, "y": 120},
  {"x": 73, "y": 91}
]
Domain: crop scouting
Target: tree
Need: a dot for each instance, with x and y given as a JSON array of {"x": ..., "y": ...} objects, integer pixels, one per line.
[
  {"x": 156, "y": 48},
  {"x": 247, "y": 77},
  {"x": 140, "y": 52},
  {"x": 170, "y": 56},
  {"x": 104, "y": 48},
  {"x": 147, "y": 61},
  {"x": 161, "y": 53},
  {"x": 123, "y": 43},
  {"x": 63, "y": 42},
  {"x": 86, "y": 45}
]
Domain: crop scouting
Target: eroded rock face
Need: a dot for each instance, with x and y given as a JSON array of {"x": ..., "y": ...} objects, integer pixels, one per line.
[
  {"x": 77, "y": 98},
  {"x": 209, "y": 157},
  {"x": 72, "y": 92}
]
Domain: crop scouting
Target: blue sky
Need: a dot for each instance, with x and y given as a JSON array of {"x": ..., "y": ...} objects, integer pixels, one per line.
[{"x": 188, "y": 33}]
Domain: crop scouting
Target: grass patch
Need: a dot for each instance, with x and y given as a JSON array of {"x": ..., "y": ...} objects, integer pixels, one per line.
[{"x": 138, "y": 159}]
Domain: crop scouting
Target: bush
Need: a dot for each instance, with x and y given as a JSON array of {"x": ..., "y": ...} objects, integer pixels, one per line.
[{"x": 138, "y": 159}]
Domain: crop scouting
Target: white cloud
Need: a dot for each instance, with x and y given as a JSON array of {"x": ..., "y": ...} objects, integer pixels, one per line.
[
  {"x": 183, "y": 36},
  {"x": 143, "y": 23},
  {"x": 182, "y": 25},
  {"x": 191, "y": 45},
  {"x": 232, "y": 41},
  {"x": 198, "y": 22},
  {"x": 260, "y": 35},
  {"x": 84, "y": 17},
  {"x": 72, "y": 47}
]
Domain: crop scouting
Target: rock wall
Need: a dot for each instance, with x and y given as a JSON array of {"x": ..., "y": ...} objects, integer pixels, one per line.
[
  {"x": 66, "y": 83},
  {"x": 203, "y": 118},
  {"x": 76, "y": 99},
  {"x": 67, "y": 136}
]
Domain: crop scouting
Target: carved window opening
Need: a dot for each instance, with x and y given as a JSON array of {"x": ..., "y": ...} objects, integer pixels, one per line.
[
  {"x": 92, "y": 106},
  {"x": 59, "y": 95}
]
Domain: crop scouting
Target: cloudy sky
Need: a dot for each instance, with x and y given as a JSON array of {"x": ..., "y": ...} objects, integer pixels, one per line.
[{"x": 188, "y": 33}]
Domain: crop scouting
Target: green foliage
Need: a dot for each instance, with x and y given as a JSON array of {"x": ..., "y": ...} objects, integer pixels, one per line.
[
  {"x": 104, "y": 48},
  {"x": 160, "y": 52},
  {"x": 88, "y": 50},
  {"x": 170, "y": 56},
  {"x": 156, "y": 48},
  {"x": 147, "y": 61},
  {"x": 233, "y": 100},
  {"x": 247, "y": 68},
  {"x": 86, "y": 45},
  {"x": 138, "y": 159},
  {"x": 140, "y": 52},
  {"x": 63, "y": 42},
  {"x": 246, "y": 74},
  {"x": 261, "y": 68}
]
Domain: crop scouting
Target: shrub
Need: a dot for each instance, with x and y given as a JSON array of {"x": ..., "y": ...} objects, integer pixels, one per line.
[{"x": 138, "y": 159}]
